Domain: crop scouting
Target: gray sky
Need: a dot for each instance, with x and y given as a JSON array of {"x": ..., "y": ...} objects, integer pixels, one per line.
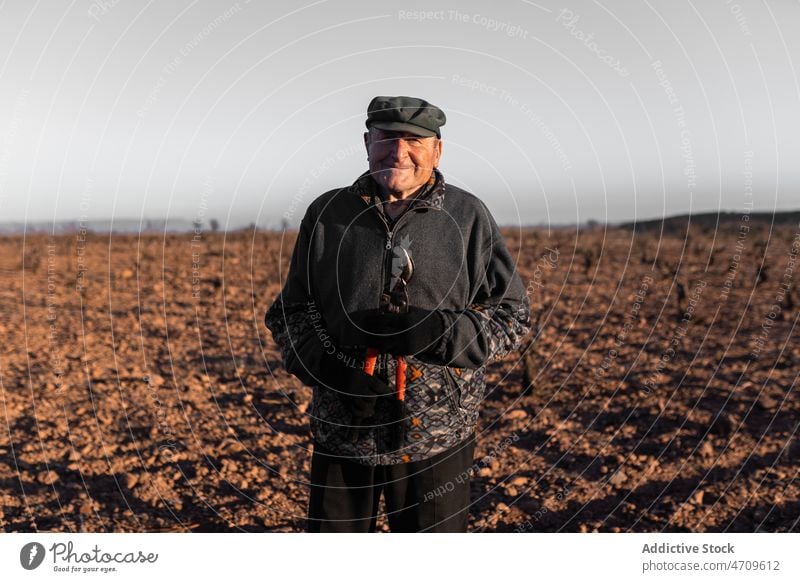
[{"x": 557, "y": 112}]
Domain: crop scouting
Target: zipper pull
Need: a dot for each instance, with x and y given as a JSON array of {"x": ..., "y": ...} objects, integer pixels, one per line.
[{"x": 389, "y": 242}]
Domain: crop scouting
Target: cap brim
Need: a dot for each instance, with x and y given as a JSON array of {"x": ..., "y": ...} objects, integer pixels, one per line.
[{"x": 400, "y": 126}]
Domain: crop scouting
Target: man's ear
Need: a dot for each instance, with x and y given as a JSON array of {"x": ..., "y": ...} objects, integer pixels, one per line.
[
  {"x": 366, "y": 142},
  {"x": 438, "y": 154}
]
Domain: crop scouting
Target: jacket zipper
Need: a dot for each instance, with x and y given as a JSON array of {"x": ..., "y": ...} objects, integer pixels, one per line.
[
  {"x": 389, "y": 238},
  {"x": 388, "y": 246},
  {"x": 453, "y": 393}
]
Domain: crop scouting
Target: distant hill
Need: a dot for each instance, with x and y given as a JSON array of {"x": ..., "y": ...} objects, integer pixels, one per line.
[{"x": 711, "y": 219}]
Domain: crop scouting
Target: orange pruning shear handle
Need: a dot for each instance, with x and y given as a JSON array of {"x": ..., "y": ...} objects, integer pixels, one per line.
[
  {"x": 400, "y": 371},
  {"x": 400, "y": 377},
  {"x": 370, "y": 361},
  {"x": 398, "y": 429}
]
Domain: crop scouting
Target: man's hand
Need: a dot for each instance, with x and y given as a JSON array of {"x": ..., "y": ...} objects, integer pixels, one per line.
[
  {"x": 358, "y": 391},
  {"x": 411, "y": 333}
]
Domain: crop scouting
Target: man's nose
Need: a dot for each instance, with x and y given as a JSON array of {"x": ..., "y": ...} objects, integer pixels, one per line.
[{"x": 399, "y": 148}]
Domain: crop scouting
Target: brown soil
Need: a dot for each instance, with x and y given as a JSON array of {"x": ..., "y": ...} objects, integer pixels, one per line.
[{"x": 138, "y": 395}]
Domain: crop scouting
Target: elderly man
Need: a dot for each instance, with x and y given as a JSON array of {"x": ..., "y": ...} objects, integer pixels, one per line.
[{"x": 400, "y": 290}]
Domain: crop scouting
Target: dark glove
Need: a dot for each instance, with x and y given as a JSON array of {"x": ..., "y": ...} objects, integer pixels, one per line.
[
  {"x": 358, "y": 391},
  {"x": 417, "y": 331}
]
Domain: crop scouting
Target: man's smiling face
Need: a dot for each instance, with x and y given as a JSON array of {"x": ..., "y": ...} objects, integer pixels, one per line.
[{"x": 400, "y": 161}]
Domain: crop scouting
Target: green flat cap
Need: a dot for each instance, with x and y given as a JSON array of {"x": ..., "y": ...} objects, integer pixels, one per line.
[{"x": 402, "y": 113}]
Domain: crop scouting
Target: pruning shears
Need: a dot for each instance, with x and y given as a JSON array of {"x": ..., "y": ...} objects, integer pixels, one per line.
[{"x": 397, "y": 303}]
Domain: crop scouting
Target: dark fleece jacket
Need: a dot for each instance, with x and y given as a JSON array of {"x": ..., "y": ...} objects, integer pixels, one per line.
[{"x": 343, "y": 262}]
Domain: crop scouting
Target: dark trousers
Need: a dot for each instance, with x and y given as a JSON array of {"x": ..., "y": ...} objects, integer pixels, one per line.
[{"x": 422, "y": 496}]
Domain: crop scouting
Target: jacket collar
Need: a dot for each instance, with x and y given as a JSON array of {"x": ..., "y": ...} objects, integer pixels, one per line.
[{"x": 431, "y": 196}]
